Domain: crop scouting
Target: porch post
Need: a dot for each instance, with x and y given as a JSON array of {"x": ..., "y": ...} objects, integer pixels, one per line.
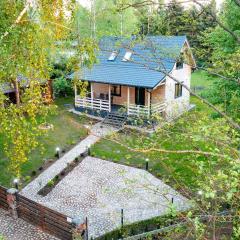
[
  {"x": 149, "y": 103},
  {"x": 91, "y": 95},
  {"x": 109, "y": 94},
  {"x": 128, "y": 99},
  {"x": 75, "y": 92}
]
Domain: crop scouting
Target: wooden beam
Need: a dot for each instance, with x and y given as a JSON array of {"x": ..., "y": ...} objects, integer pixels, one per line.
[
  {"x": 91, "y": 95},
  {"x": 128, "y": 99},
  {"x": 109, "y": 94},
  {"x": 75, "y": 93},
  {"x": 149, "y": 103}
]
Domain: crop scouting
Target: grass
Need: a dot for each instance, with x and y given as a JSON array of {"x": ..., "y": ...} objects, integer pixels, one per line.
[
  {"x": 67, "y": 130},
  {"x": 172, "y": 168},
  {"x": 201, "y": 81}
]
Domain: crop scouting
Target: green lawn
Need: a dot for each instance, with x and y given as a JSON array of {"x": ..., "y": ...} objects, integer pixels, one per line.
[
  {"x": 169, "y": 167},
  {"x": 68, "y": 130},
  {"x": 201, "y": 81}
]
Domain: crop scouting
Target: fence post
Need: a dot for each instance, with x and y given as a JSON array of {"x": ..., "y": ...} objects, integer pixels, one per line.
[
  {"x": 12, "y": 202},
  {"x": 86, "y": 229},
  {"x": 80, "y": 228},
  {"x": 122, "y": 217}
]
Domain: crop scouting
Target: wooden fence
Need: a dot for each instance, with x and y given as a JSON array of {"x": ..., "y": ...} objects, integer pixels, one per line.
[
  {"x": 42, "y": 217},
  {"x": 3, "y": 198}
]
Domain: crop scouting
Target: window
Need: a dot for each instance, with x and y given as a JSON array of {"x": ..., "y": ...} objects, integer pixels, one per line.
[
  {"x": 116, "y": 90},
  {"x": 113, "y": 56},
  {"x": 127, "y": 56},
  {"x": 180, "y": 60},
  {"x": 178, "y": 90},
  {"x": 179, "y": 65}
]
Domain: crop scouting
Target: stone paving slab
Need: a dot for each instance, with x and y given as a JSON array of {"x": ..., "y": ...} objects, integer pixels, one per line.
[
  {"x": 20, "y": 230},
  {"x": 99, "y": 189}
]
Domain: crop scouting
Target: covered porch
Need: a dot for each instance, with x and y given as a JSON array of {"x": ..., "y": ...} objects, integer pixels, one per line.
[{"x": 133, "y": 100}]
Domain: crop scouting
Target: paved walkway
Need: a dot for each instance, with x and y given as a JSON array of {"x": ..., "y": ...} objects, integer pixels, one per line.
[
  {"x": 99, "y": 189},
  {"x": 20, "y": 230},
  {"x": 97, "y": 131}
]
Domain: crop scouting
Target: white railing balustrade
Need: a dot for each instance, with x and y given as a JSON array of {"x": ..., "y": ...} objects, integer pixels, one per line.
[
  {"x": 132, "y": 109},
  {"x": 158, "y": 107},
  {"x": 141, "y": 110},
  {"x": 92, "y": 103},
  {"x": 138, "y": 110}
]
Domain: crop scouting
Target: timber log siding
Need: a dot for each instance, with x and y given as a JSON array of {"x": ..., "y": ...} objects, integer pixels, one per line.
[{"x": 42, "y": 217}]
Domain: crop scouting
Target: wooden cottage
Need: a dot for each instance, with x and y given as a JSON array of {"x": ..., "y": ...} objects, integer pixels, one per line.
[{"x": 131, "y": 74}]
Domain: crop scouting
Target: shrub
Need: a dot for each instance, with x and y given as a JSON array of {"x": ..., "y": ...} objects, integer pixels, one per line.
[
  {"x": 62, "y": 87},
  {"x": 50, "y": 183},
  {"x": 2, "y": 237},
  {"x": 27, "y": 179}
]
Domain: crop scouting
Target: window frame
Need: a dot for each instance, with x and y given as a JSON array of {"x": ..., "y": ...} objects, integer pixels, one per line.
[
  {"x": 129, "y": 56},
  {"x": 113, "y": 56},
  {"x": 114, "y": 93},
  {"x": 179, "y": 65},
  {"x": 178, "y": 90}
]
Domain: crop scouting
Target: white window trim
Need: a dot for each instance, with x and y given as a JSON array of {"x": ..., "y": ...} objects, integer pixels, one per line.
[
  {"x": 113, "y": 56},
  {"x": 127, "y": 56}
]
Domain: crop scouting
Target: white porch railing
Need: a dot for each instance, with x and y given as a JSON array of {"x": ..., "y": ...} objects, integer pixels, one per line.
[
  {"x": 138, "y": 110},
  {"x": 158, "y": 107},
  {"x": 141, "y": 110},
  {"x": 92, "y": 103},
  {"x": 132, "y": 109}
]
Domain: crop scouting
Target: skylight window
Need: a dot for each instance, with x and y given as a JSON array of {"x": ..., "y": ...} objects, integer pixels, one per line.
[
  {"x": 127, "y": 56},
  {"x": 113, "y": 56}
]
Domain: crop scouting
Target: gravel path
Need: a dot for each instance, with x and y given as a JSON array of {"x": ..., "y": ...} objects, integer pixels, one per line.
[
  {"x": 20, "y": 230},
  {"x": 99, "y": 189}
]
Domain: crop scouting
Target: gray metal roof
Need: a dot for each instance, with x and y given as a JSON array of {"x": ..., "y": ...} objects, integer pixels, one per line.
[{"x": 154, "y": 52}]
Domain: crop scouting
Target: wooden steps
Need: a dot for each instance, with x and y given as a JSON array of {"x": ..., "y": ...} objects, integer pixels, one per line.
[{"x": 115, "y": 119}]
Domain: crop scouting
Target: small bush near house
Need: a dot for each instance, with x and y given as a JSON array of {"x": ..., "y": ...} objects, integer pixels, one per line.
[{"x": 62, "y": 87}]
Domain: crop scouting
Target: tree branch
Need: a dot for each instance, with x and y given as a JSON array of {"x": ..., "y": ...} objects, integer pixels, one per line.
[
  {"x": 230, "y": 120},
  {"x": 20, "y": 16},
  {"x": 235, "y": 36},
  {"x": 237, "y": 2},
  {"x": 212, "y": 154},
  {"x": 236, "y": 80}
]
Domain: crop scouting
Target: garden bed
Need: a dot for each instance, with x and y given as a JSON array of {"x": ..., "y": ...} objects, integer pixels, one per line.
[{"x": 52, "y": 183}]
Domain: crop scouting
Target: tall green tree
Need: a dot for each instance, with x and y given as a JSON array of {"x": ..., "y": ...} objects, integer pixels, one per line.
[
  {"x": 225, "y": 59},
  {"x": 28, "y": 32},
  {"x": 105, "y": 18}
]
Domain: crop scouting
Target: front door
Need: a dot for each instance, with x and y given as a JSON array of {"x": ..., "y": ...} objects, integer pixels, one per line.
[{"x": 139, "y": 96}]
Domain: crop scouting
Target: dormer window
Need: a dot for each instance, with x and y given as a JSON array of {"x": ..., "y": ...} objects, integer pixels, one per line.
[
  {"x": 113, "y": 56},
  {"x": 179, "y": 65},
  {"x": 127, "y": 56}
]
